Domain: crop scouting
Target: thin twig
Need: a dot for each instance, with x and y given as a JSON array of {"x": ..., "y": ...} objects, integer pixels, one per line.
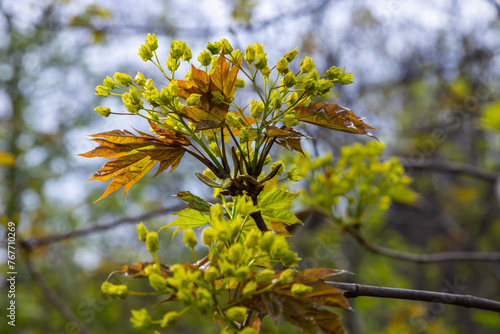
[
  {"x": 354, "y": 290},
  {"x": 37, "y": 242},
  {"x": 424, "y": 258},
  {"x": 56, "y": 300},
  {"x": 451, "y": 168}
]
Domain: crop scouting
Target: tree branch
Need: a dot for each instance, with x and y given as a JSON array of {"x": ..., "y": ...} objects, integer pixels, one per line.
[
  {"x": 424, "y": 258},
  {"x": 451, "y": 168},
  {"x": 354, "y": 290},
  {"x": 56, "y": 300},
  {"x": 37, "y": 242}
]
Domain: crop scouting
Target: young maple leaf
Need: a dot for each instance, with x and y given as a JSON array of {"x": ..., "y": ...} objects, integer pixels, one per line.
[
  {"x": 134, "y": 155},
  {"x": 221, "y": 81},
  {"x": 332, "y": 116}
]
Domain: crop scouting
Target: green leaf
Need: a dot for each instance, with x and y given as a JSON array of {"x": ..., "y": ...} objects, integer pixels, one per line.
[
  {"x": 189, "y": 218},
  {"x": 208, "y": 181},
  {"x": 195, "y": 202},
  {"x": 275, "y": 207}
]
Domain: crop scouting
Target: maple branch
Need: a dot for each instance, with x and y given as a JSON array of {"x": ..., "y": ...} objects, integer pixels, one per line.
[
  {"x": 37, "y": 242},
  {"x": 55, "y": 300},
  {"x": 451, "y": 168},
  {"x": 353, "y": 290},
  {"x": 423, "y": 258}
]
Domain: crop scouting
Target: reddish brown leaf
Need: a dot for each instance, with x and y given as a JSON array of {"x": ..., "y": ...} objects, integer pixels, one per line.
[
  {"x": 316, "y": 274},
  {"x": 286, "y": 137},
  {"x": 332, "y": 116},
  {"x": 135, "y": 155}
]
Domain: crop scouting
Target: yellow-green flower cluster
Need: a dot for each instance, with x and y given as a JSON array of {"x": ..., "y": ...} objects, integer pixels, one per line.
[{"x": 360, "y": 178}]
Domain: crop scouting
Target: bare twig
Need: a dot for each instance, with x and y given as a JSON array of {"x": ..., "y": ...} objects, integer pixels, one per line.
[
  {"x": 424, "y": 258},
  {"x": 56, "y": 300},
  {"x": 354, "y": 290},
  {"x": 37, "y": 242},
  {"x": 451, "y": 168}
]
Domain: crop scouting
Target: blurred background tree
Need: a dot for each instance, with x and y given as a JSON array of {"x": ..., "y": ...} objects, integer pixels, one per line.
[{"x": 424, "y": 72}]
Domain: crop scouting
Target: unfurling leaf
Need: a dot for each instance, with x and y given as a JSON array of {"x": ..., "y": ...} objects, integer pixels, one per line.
[
  {"x": 189, "y": 218},
  {"x": 222, "y": 81},
  {"x": 195, "y": 202},
  {"x": 135, "y": 155},
  {"x": 286, "y": 137},
  {"x": 332, "y": 116}
]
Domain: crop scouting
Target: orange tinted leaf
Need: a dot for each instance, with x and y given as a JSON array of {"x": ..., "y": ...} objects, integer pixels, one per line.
[
  {"x": 332, "y": 116},
  {"x": 327, "y": 321},
  {"x": 286, "y": 137},
  {"x": 223, "y": 78},
  {"x": 313, "y": 275},
  {"x": 200, "y": 79},
  {"x": 136, "y": 155}
]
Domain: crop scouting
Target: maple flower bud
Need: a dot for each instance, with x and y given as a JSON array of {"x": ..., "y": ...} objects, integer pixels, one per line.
[
  {"x": 103, "y": 111},
  {"x": 325, "y": 86},
  {"x": 187, "y": 55},
  {"x": 256, "y": 108},
  {"x": 208, "y": 236},
  {"x": 276, "y": 100},
  {"x": 211, "y": 274},
  {"x": 145, "y": 53},
  {"x": 240, "y": 83},
  {"x": 170, "y": 319},
  {"x": 300, "y": 290},
  {"x": 134, "y": 97},
  {"x": 267, "y": 240},
  {"x": 265, "y": 71},
  {"x": 205, "y": 58},
  {"x": 346, "y": 79},
  {"x": 108, "y": 82},
  {"x": 290, "y": 55},
  {"x": 275, "y": 164},
  {"x": 292, "y": 98},
  {"x": 140, "y": 319},
  {"x": 173, "y": 63},
  {"x": 286, "y": 276},
  {"x": 306, "y": 65},
  {"x": 242, "y": 273},
  {"x": 289, "y": 80},
  {"x": 249, "y": 288},
  {"x": 142, "y": 231},
  {"x": 282, "y": 66},
  {"x": 235, "y": 57},
  {"x": 152, "y": 42},
  {"x": 333, "y": 73},
  {"x": 289, "y": 259},
  {"x": 259, "y": 48},
  {"x": 214, "y": 147},
  {"x": 188, "y": 76},
  {"x": 214, "y": 48},
  {"x": 177, "y": 49},
  {"x": 232, "y": 119},
  {"x": 157, "y": 282},
  {"x": 227, "y": 46},
  {"x": 290, "y": 120},
  {"x": 115, "y": 291},
  {"x": 250, "y": 54},
  {"x": 244, "y": 135},
  {"x": 152, "y": 243},
  {"x": 267, "y": 160},
  {"x": 266, "y": 276},
  {"x": 102, "y": 91},
  {"x": 227, "y": 269},
  {"x": 190, "y": 238},
  {"x": 261, "y": 61},
  {"x": 236, "y": 313},
  {"x": 193, "y": 99},
  {"x": 235, "y": 253},
  {"x": 252, "y": 238},
  {"x": 140, "y": 79},
  {"x": 123, "y": 79},
  {"x": 311, "y": 81},
  {"x": 293, "y": 174}
]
